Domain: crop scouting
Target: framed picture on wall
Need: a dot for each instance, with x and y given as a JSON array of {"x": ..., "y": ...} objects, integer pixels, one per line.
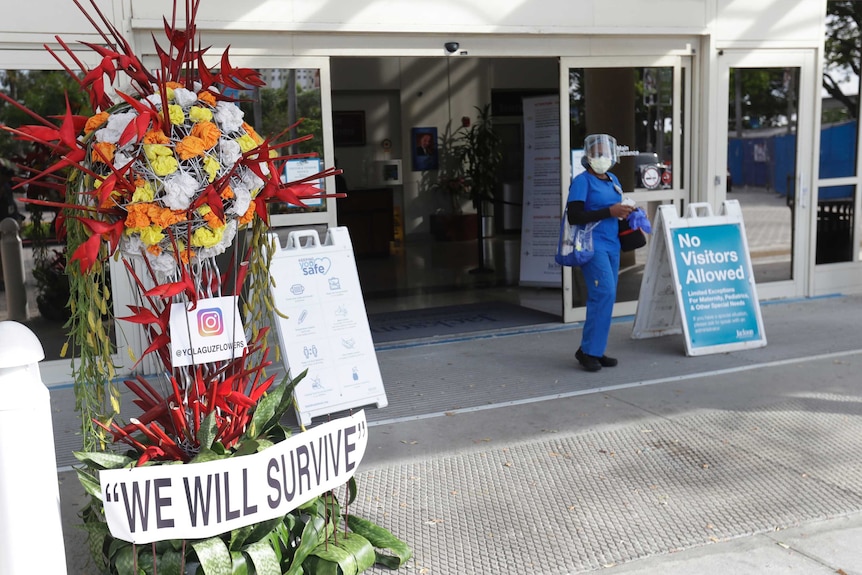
[
  {"x": 348, "y": 128},
  {"x": 425, "y": 154}
]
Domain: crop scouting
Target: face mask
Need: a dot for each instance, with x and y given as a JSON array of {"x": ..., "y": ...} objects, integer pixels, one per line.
[{"x": 600, "y": 165}]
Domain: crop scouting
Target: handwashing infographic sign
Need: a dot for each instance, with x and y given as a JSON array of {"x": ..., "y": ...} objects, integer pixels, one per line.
[
  {"x": 322, "y": 324},
  {"x": 699, "y": 280}
]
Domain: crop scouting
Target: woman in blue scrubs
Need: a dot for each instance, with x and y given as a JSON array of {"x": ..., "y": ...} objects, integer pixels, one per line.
[{"x": 595, "y": 195}]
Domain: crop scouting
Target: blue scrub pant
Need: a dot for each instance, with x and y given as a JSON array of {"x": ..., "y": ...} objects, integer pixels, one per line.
[{"x": 600, "y": 274}]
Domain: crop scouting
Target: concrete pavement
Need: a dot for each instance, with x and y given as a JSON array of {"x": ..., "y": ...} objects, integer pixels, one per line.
[{"x": 497, "y": 454}]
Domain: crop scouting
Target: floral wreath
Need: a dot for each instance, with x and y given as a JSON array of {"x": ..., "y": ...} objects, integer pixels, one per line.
[{"x": 165, "y": 174}]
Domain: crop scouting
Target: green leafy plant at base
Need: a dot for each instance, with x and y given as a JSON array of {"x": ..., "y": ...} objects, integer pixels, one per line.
[{"x": 317, "y": 538}]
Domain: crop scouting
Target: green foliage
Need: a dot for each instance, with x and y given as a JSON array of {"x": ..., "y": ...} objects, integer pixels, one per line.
[
  {"x": 42, "y": 91},
  {"x": 311, "y": 540},
  {"x": 478, "y": 150},
  {"x": 842, "y": 55},
  {"x": 766, "y": 95}
]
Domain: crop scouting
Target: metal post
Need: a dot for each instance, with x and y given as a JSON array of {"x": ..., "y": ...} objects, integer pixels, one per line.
[
  {"x": 31, "y": 532},
  {"x": 12, "y": 256}
]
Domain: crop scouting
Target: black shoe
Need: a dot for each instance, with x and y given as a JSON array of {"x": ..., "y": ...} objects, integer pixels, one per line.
[
  {"x": 608, "y": 361},
  {"x": 589, "y": 362}
]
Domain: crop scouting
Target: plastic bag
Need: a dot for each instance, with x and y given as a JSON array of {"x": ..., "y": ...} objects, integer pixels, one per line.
[{"x": 575, "y": 247}]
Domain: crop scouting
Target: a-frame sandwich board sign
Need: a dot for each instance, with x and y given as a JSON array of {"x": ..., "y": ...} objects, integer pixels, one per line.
[
  {"x": 322, "y": 324},
  {"x": 699, "y": 281}
]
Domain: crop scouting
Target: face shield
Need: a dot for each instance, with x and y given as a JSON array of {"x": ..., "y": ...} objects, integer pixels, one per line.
[
  {"x": 601, "y": 146},
  {"x": 600, "y": 152}
]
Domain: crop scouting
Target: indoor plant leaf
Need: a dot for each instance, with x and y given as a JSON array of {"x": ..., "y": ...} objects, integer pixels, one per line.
[
  {"x": 103, "y": 459},
  {"x": 313, "y": 534},
  {"x": 214, "y": 556},
  {"x": 207, "y": 431},
  {"x": 239, "y": 566},
  {"x": 89, "y": 483},
  {"x": 381, "y": 538},
  {"x": 264, "y": 558},
  {"x": 353, "y": 553},
  {"x": 169, "y": 562}
]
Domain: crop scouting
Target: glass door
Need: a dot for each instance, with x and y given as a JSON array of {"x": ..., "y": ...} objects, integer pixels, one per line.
[
  {"x": 765, "y": 116},
  {"x": 645, "y": 104}
]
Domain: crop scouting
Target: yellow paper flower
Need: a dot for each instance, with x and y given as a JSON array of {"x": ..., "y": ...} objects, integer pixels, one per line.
[
  {"x": 163, "y": 165},
  {"x": 176, "y": 114},
  {"x": 153, "y": 151},
  {"x": 199, "y": 114},
  {"x": 246, "y": 143},
  {"x": 251, "y": 132},
  {"x": 152, "y": 235},
  {"x": 211, "y": 167},
  {"x": 144, "y": 192},
  {"x": 206, "y": 237}
]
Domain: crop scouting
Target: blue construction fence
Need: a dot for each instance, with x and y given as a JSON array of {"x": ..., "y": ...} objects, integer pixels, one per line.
[{"x": 769, "y": 161}]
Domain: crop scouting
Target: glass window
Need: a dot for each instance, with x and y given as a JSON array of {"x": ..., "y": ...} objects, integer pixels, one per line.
[
  {"x": 840, "y": 106},
  {"x": 597, "y": 101},
  {"x": 290, "y": 94},
  {"x": 44, "y": 253}
]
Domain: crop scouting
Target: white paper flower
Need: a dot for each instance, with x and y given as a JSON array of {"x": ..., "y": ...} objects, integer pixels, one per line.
[
  {"x": 184, "y": 98},
  {"x": 121, "y": 159},
  {"x": 180, "y": 188},
  {"x": 228, "y": 116},
  {"x": 251, "y": 180},
  {"x": 241, "y": 200},
  {"x": 229, "y": 152},
  {"x": 165, "y": 264},
  {"x": 132, "y": 244},
  {"x": 114, "y": 128},
  {"x": 155, "y": 100}
]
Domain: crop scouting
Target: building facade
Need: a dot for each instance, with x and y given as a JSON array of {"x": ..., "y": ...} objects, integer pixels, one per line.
[{"x": 725, "y": 95}]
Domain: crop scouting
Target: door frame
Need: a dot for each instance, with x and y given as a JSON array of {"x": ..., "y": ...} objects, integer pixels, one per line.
[
  {"x": 804, "y": 223},
  {"x": 681, "y": 190}
]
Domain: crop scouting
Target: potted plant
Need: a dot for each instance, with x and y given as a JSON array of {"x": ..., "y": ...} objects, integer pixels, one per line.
[
  {"x": 451, "y": 223},
  {"x": 478, "y": 150},
  {"x": 470, "y": 165}
]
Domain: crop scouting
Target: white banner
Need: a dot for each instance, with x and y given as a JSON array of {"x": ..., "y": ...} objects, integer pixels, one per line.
[
  {"x": 540, "y": 219},
  {"x": 200, "y": 500},
  {"x": 211, "y": 332}
]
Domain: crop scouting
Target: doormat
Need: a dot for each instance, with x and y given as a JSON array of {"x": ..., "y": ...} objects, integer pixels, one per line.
[{"x": 453, "y": 320}]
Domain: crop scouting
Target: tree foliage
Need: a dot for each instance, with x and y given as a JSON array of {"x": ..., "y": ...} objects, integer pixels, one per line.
[
  {"x": 43, "y": 92},
  {"x": 843, "y": 52}
]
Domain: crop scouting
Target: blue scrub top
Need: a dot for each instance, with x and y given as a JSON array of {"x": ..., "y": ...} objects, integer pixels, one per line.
[{"x": 598, "y": 194}]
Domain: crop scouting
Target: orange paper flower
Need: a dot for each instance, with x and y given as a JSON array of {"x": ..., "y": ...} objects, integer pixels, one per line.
[
  {"x": 103, "y": 152},
  {"x": 190, "y": 147},
  {"x": 207, "y": 132},
  {"x": 95, "y": 121}
]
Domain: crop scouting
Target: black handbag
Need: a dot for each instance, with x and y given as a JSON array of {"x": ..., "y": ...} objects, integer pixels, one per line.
[{"x": 630, "y": 238}]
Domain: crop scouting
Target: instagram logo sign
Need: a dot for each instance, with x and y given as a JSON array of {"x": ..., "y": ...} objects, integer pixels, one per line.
[{"x": 210, "y": 322}]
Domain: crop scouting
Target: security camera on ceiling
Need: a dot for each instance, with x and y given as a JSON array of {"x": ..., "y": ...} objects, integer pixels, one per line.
[{"x": 451, "y": 47}]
